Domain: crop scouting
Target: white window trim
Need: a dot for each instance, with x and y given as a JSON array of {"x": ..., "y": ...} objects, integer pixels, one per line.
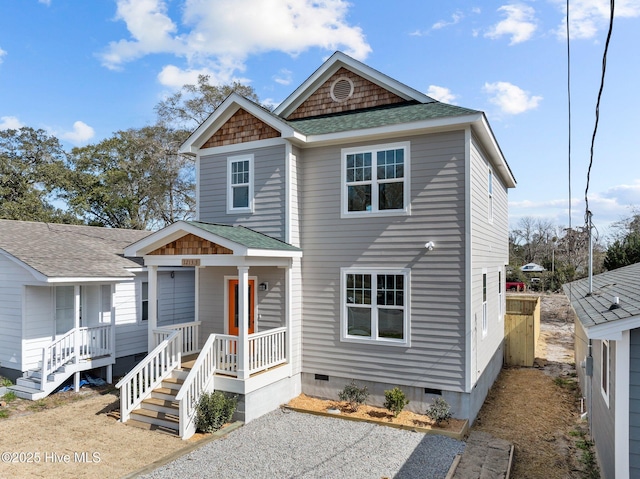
[
  {"x": 406, "y": 210},
  {"x": 490, "y": 181},
  {"x": 230, "y": 161},
  {"x": 345, "y": 337},
  {"x": 484, "y": 295},
  {"x": 605, "y": 393}
]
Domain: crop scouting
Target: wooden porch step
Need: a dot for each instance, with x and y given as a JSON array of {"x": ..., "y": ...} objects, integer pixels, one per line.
[
  {"x": 164, "y": 393},
  {"x": 161, "y": 405},
  {"x": 152, "y": 427},
  {"x": 156, "y": 418}
]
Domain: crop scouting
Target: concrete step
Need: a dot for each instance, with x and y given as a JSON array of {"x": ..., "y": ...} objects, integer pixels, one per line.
[
  {"x": 31, "y": 383},
  {"x": 27, "y": 393},
  {"x": 161, "y": 405},
  {"x": 156, "y": 418}
]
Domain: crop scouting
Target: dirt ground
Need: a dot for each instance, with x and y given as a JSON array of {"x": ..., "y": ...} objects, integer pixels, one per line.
[{"x": 537, "y": 409}]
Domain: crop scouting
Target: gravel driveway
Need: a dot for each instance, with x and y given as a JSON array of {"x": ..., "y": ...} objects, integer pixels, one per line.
[{"x": 295, "y": 445}]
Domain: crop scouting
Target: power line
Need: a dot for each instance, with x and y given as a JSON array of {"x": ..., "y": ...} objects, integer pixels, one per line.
[{"x": 595, "y": 128}]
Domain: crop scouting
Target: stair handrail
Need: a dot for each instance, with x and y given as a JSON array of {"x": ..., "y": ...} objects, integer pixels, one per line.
[
  {"x": 199, "y": 380},
  {"x": 49, "y": 359},
  {"x": 149, "y": 373}
]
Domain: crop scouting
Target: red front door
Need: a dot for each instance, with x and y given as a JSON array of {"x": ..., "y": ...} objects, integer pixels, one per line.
[{"x": 233, "y": 306}]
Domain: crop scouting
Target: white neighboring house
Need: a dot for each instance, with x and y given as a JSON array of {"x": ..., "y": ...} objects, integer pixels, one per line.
[{"x": 72, "y": 302}]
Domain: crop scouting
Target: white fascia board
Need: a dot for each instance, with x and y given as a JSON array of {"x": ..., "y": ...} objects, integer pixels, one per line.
[
  {"x": 332, "y": 65},
  {"x": 614, "y": 329},
  {"x": 433, "y": 126},
  {"x": 76, "y": 280},
  {"x": 484, "y": 131},
  {"x": 34, "y": 272},
  {"x": 273, "y": 253},
  {"x": 221, "y": 115}
]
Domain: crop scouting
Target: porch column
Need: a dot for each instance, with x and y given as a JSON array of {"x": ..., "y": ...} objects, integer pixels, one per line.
[
  {"x": 112, "y": 332},
  {"x": 152, "y": 323},
  {"x": 76, "y": 335},
  {"x": 243, "y": 322}
]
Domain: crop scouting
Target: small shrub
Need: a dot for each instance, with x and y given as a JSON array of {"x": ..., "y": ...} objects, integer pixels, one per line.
[
  {"x": 4, "y": 414},
  {"x": 214, "y": 410},
  {"x": 4, "y": 382},
  {"x": 439, "y": 411},
  {"x": 353, "y": 395},
  {"x": 395, "y": 400},
  {"x": 10, "y": 396}
]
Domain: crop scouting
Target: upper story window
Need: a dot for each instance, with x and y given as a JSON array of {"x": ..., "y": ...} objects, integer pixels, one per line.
[
  {"x": 490, "y": 191},
  {"x": 240, "y": 184},
  {"x": 376, "y": 180},
  {"x": 375, "y": 306}
]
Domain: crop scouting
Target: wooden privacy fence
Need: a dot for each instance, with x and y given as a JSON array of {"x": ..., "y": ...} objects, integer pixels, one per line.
[{"x": 521, "y": 330}]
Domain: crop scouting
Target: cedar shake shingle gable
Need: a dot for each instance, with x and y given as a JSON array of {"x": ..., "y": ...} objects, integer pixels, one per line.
[{"x": 70, "y": 251}]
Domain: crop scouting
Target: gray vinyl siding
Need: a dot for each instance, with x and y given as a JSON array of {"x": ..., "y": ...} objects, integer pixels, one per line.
[
  {"x": 38, "y": 324},
  {"x": 490, "y": 251},
  {"x": 268, "y": 216},
  {"x": 603, "y": 416},
  {"x": 12, "y": 277},
  {"x": 634, "y": 404},
  {"x": 176, "y": 297},
  {"x": 131, "y": 334},
  {"x": 437, "y": 317}
]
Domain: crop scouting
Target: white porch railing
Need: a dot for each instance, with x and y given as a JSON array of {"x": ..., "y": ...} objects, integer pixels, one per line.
[
  {"x": 226, "y": 348},
  {"x": 190, "y": 333},
  {"x": 77, "y": 344},
  {"x": 149, "y": 373},
  {"x": 199, "y": 380},
  {"x": 267, "y": 349}
]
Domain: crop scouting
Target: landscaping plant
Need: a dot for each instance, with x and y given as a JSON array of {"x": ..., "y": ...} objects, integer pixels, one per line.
[
  {"x": 439, "y": 411},
  {"x": 353, "y": 395},
  {"x": 214, "y": 410},
  {"x": 395, "y": 400}
]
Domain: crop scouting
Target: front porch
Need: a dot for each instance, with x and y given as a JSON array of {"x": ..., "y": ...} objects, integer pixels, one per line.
[{"x": 242, "y": 333}]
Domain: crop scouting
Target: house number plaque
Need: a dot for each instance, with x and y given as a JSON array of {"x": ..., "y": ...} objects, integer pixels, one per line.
[{"x": 191, "y": 262}]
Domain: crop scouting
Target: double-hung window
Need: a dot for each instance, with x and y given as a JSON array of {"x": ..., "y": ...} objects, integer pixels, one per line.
[
  {"x": 375, "y": 305},
  {"x": 604, "y": 370},
  {"x": 144, "y": 301},
  {"x": 240, "y": 184},
  {"x": 485, "y": 318},
  {"x": 375, "y": 180},
  {"x": 500, "y": 296}
]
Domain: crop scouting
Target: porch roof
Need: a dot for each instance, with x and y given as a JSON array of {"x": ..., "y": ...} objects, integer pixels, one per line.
[
  {"x": 59, "y": 252},
  {"x": 235, "y": 240}
]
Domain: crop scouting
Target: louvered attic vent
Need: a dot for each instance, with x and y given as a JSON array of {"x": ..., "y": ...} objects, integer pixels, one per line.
[{"x": 342, "y": 89}]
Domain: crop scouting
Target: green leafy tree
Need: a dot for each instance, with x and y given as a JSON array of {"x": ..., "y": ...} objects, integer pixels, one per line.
[
  {"x": 135, "y": 179},
  {"x": 623, "y": 252},
  {"x": 32, "y": 169}
]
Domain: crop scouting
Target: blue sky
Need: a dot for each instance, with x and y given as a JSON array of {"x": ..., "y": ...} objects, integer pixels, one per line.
[{"x": 84, "y": 69}]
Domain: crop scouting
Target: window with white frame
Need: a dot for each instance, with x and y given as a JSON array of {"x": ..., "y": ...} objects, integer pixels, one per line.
[
  {"x": 376, "y": 180},
  {"x": 490, "y": 194},
  {"x": 485, "y": 319},
  {"x": 240, "y": 184},
  {"x": 604, "y": 370},
  {"x": 500, "y": 296},
  {"x": 375, "y": 305},
  {"x": 144, "y": 301}
]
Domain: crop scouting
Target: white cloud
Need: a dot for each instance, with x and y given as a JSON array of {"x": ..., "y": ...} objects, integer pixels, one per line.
[
  {"x": 284, "y": 77},
  {"x": 10, "y": 123},
  {"x": 2, "y": 53},
  {"x": 81, "y": 133},
  {"x": 511, "y": 99},
  {"x": 520, "y": 23},
  {"x": 45, "y": 2},
  {"x": 218, "y": 35},
  {"x": 442, "y": 94},
  {"x": 455, "y": 19},
  {"x": 588, "y": 17}
]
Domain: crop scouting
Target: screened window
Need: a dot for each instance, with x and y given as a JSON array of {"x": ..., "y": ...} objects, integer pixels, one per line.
[
  {"x": 376, "y": 180},
  {"x": 376, "y": 306},
  {"x": 240, "y": 183}
]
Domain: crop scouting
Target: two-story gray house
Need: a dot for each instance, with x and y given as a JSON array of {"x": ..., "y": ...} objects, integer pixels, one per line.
[{"x": 358, "y": 231}]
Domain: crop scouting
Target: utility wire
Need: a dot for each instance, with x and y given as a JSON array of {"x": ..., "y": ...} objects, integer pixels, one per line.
[{"x": 595, "y": 128}]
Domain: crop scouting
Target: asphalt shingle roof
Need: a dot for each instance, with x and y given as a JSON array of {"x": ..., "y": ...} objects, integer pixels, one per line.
[
  {"x": 70, "y": 251},
  {"x": 593, "y": 310},
  {"x": 377, "y": 117},
  {"x": 244, "y": 236}
]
